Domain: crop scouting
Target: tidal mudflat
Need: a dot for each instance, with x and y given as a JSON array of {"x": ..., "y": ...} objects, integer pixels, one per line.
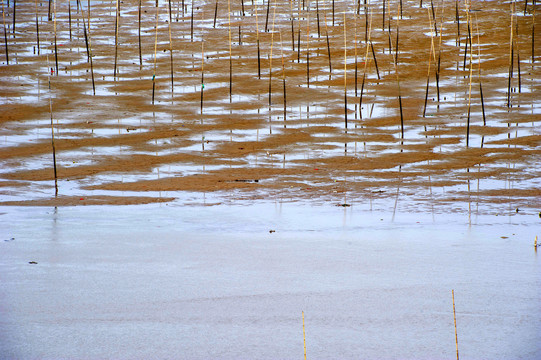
[{"x": 183, "y": 179}]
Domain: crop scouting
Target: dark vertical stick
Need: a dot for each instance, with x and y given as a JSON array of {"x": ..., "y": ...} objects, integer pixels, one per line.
[
  {"x": 355, "y": 48},
  {"x": 242, "y": 5},
  {"x": 308, "y": 49},
  {"x": 283, "y": 78},
  {"x": 533, "y": 33},
  {"x": 37, "y": 27},
  {"x": 14, "y": 15},
  {"x": 345, "y": 76},
  {"x": 383, "y": 21},
  {"x": 215, "y": 14},
  {"x": 457, "y": 18},
  {"x": 202, "y": 73},
  {"x": 155, "y": 55},
  {"x": 317, "y": 18},
  {"x": 332, "y": 12},
  {"x": 510, "y": 59},
  {"x": 49, "y": 16},
  {"x": 117, "y": 20},
  {"x": 479, "y": 71},
  {"x": 55, "y": 46},
  {"x": 375, "y": 60},
  {"x": 52, "y": 130},
  {"x": 230, "y": 51},
  {"x": 171, "y": 47},
  {"x": 191, "y": 24},
  {"x": 69, "y": 17},
  {"x": 328, "y": 42},
  {"x": 140, "y": 54},
  {"x": 429, "y": 63},
  {"x": 257, "y": 38},
  {"x": 88, "y": 46},
  {"x": 267, "y": 19},
  {"x": 292, "y": 27}
]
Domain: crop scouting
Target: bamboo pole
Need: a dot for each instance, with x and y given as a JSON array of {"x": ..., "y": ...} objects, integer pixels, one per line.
[
  {"x": 304, "y": 335},
  {"x": 454, "y": 318},
  {"x": 5, "y": 33}
]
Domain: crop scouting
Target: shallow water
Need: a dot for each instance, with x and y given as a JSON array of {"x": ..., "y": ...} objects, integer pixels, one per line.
[{"x": 201, "y": 282}]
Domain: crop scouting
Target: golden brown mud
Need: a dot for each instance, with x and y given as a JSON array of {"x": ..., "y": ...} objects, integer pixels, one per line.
[{"x": 116, "y": 146}]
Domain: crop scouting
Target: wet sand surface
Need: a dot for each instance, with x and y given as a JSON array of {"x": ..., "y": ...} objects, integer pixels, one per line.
[{"x": 199, "y": 219}]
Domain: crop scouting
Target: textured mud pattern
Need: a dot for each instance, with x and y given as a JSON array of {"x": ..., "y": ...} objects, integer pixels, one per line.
[{"x": 280, "y": 99}]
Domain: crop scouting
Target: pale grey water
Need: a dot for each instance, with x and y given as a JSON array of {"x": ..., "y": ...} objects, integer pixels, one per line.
[{"x": 211, "y": 282}]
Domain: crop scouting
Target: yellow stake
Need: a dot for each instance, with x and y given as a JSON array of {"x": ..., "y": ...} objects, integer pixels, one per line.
[
  {"x": 304, "y": 335},
  {"x": 454, "y": 316}
]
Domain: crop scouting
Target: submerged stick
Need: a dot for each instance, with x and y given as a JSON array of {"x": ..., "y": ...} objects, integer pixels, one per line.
[{"x": 510, "y": 58}]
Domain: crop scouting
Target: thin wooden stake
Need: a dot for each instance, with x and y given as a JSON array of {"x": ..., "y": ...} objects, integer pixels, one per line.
[
  {"x": 5, "y": 33},
  {"x": 258, "y": 48},
  {"x": 117, "y": 25},
  {"x": 155, "y": 55},
  {"x": 88, "y": 41},
  {"x": 52, "y": 129},
  {"x": 37, "y": 27},
  {"x": 304, "y": 335},
  {"x": 140, "y": 54},
  {"x": 454, "y": 317},
  {"x": 283, "y": 77},
  {"x": 55, "y": 46},
  {"x": 345, "y": 76},
  {"x": 230, "y": 51},
  {"x": 479, "y": 71},
  {"x": 171, "y": 47}
]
